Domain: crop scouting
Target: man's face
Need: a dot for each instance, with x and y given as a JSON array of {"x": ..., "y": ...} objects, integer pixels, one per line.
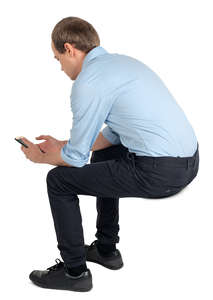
[{"x": 71, "y": 60}]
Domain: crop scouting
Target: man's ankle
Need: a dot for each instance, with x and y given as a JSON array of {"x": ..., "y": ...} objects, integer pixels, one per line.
[
  {"x": 106, "y": 248},
  {"x": 76, "y": 271}
]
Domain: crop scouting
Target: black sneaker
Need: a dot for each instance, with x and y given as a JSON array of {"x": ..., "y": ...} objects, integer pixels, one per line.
[
  {"x": 111, "y": 261},
  {"x": 56, "y": 277}
]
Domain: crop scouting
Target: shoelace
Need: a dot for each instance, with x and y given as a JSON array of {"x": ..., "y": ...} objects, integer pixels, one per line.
[{"x": 58, "y": 264}]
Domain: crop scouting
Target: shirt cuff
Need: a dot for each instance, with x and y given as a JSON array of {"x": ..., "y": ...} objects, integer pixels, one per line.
[
  {"x": 71, "y": 161},
  {"x": 112, "y": 137}
]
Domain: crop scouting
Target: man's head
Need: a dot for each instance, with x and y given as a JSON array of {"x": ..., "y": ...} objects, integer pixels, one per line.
[{"x": 72, "y": 39}]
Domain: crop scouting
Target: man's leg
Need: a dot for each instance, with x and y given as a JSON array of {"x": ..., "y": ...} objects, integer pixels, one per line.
[
  {"x": 63, "y": 186},
  {"x": 111, "y": 178},
  {"x": 68, "y": 224},
  {"x": 107, "y": 223}
]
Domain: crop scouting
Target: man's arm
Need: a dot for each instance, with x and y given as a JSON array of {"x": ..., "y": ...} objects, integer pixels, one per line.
[
  {"x": 54, "y": 159},
  {"x": 101, "y": 143},
  {"x": 105, "y": 139},
  {"x": 90, "y": 109}
]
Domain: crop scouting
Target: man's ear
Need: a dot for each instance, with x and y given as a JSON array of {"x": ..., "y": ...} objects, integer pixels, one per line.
[{"x": 69, "y": 49}]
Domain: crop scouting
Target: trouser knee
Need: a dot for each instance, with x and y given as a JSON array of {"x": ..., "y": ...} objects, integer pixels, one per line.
[{"x": 56, "y": 185}]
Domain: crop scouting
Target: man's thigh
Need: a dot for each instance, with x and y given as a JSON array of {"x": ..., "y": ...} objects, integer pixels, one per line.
[{"x": 108, "y": 178}]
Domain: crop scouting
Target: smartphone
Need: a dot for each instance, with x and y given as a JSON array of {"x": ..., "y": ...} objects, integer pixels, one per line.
[{"x": 19, "y": 140}]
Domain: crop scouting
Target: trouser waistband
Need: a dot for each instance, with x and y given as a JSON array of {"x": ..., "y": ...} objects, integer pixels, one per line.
[{"x": 165, "y": 160}]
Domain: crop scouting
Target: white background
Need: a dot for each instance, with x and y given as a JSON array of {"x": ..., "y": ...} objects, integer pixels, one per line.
[{"x": 166, "y": 244}]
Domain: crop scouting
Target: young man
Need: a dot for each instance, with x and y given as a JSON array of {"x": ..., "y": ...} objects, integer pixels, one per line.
[{"x": 148, "y": 149}]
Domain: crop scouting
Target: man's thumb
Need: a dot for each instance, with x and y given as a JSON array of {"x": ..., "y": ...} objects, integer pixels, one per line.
[
  {"x": 43, "y": 137},
  {"x": 40, "y": 137}
]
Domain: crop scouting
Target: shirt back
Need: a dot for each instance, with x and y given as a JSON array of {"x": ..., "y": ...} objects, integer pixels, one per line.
[{"x": 134, "y": 103}]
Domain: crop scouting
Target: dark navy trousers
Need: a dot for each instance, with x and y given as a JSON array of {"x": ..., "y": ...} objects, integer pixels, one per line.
[{"x": 112, "y": 173}]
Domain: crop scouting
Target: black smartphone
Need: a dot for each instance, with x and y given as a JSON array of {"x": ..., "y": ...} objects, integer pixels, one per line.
[{"x": 19, "y": 140}]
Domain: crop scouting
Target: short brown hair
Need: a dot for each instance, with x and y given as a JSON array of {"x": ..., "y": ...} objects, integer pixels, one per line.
[{"x": 75, "y": 31}]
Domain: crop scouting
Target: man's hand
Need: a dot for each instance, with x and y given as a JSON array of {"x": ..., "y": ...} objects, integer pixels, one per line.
[
  {"x": 52, "y": 157},
  {"x": 51, "y": 145},
  {"x": 33, "y": 152}
]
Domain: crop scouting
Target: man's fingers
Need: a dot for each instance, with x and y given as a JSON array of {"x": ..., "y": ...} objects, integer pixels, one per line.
[
  {"x": 43, "y": 137},
  {"x": 26, "y": 141},
  {"x": 40, "y": 137},
  {"x": 24, "y": 150}
]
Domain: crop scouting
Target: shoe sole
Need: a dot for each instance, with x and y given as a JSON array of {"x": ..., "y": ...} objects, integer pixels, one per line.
[{"x": 54, "y": 288}]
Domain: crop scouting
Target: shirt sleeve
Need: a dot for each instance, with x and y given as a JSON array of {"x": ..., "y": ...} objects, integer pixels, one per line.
[
  {"x": 89, "y": 110},
  {"x": 111, "y": 136}
]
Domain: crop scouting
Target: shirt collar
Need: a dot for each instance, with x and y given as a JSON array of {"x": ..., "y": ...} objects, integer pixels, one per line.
[{"x": 97, "y": 51}]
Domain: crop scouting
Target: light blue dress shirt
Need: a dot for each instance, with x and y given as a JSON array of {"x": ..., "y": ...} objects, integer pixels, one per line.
[{"x": 133, "y": 102}]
